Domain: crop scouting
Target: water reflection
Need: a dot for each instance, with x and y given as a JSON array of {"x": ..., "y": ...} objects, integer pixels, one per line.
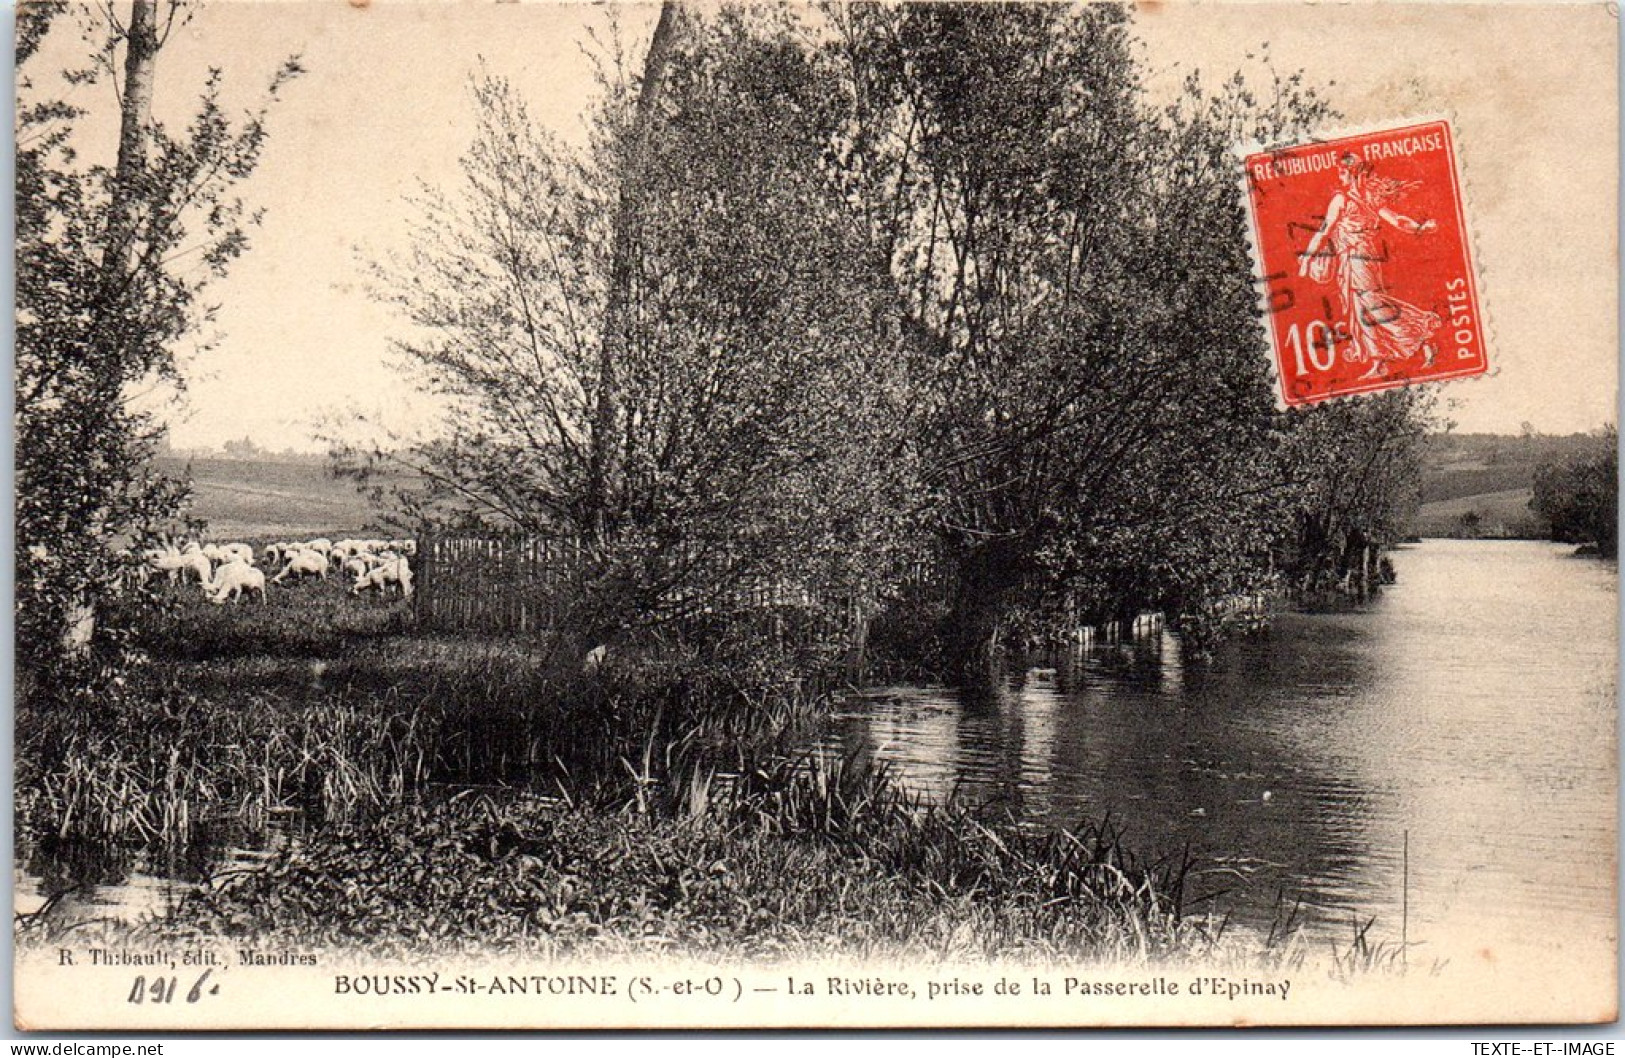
[
  {"x": 81, "y": 882},
  {"x": 1468, "y": 714}
]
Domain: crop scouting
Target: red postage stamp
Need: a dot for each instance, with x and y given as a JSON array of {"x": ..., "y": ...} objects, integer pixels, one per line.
[{"x": 1362, "y": 250}]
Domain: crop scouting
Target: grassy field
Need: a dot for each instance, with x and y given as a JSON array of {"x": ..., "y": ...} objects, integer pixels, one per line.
[
  {"x": 1492, "y": 514},
  {"x": 264, "y": 499},
  {"x": 1480, "y": 484}
]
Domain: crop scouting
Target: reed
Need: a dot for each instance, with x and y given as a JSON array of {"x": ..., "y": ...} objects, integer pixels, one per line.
[
  {"x": 246, "y": 713},
  {"x": 1363, "y": 956},
  {"x": 797, "y": 860},
  {"x": 466, "y": 791},
  {"x": 153, "y": 776}
]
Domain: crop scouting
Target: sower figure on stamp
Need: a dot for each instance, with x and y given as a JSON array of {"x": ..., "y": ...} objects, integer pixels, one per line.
[{"x": 1380, "y": 328}]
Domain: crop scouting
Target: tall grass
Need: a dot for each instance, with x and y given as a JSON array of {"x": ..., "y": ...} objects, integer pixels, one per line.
[
  {"x": 654, "y": 801},
  {"x": 153, "y": 772},
  {"x": 798, "y": 858},
  {"x": 1077, "y": 884},
  {"x": 316, "y": 704},
  {"x": 1363, "y": 956}
]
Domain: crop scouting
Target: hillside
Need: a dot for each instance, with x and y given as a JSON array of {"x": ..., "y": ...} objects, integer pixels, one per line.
[
  {"x": 1479, "y": 485},
  {"x": 271, "y": 498},
  {"x": 1472, "y": 485}
]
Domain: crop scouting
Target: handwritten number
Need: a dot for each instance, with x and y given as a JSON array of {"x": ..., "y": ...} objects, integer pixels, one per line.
[
  {"x": 197, "y": 989},
  {"x": 162, "y": 989}
]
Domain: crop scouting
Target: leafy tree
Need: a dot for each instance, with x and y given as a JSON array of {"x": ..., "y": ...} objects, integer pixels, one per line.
[
  {"x": 664, "y": 350},
  {"x": 1094, "y": 408},
  {"x": 112, "y": 264},
  {"x": 1579, "y": 496},
  {"x": 917, "y": 280},
  {"x": 1356, "y": 467}
]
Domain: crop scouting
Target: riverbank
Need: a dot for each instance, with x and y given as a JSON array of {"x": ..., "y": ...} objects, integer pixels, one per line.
[
  {"x": 1304, "y": 768},
  {"x": 457, "y": 793},
  {"x": 811, "y": 865}
]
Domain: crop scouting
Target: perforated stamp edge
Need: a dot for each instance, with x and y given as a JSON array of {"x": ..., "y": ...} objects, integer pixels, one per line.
[{"x": 1488, "y": 366}]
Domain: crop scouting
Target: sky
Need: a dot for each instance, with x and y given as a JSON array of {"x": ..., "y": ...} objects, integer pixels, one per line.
[{"x": 385, "y": 106}]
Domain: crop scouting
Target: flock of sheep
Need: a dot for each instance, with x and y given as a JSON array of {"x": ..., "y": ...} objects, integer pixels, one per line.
[{"x": 227, "y": 571}]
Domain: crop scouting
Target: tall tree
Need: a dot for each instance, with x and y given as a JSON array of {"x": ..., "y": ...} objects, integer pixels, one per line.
[
  {"x": 1095, "y": 410},
  {"x": 111, "y": 263},
  {"x": 907, "y": 278},
  {"x": 698, "y": 267},
  {"x": 141, "y": 45},
  {"x": 633, "y": 164}
]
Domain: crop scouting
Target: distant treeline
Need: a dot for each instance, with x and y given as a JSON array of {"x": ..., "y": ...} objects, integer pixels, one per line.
[
  {"x": 1524, "y": 486},
  {"x": 244, "y": 449},
  {"x": 1578, "y": 494}
]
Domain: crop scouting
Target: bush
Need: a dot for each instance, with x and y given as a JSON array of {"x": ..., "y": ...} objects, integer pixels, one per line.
[{"x": 1579, "y": 495}]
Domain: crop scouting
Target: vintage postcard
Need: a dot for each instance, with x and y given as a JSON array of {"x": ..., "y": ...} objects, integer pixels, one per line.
[{"x": 548, "y": 515}]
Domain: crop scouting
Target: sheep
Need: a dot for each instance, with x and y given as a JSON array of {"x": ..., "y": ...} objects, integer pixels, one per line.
[
  {"x": 363, "y": 563},
  {"x": 392, "y": 571},
  {"x": 178, "y": 563},
  {"x": 303, "y": 562},
  {"x": 237, "y": 553},
  {"x": 348, "y": 548},
  {"x": 234, "y": 578}
]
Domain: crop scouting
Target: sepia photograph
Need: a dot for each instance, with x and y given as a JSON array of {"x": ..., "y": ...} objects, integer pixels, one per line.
[{"x": 690, "y": 515}]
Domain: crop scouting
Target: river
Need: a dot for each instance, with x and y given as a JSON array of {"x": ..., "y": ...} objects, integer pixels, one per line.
[{"x": 1442, "y": 761}]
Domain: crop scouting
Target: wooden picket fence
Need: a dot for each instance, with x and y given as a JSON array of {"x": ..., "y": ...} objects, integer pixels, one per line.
[
  {"x": 520, "y": 585},
  {"x": 495, "y": 584},
  {"x": 527, "y": 585}
]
